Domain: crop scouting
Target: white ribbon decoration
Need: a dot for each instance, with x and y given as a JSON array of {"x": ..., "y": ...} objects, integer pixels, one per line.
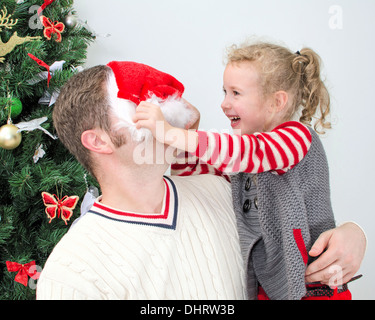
[{"x": 33, "y": 125}]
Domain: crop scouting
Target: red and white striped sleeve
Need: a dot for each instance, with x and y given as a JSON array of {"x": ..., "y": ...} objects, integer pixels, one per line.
[
  {"x": 189, "y": 165},
  {"x": 278, "y": 151}
]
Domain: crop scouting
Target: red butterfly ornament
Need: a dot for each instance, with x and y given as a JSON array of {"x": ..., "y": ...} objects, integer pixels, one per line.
[
  {"x": 52, "y": 27},
  {"x": 56, "y": 206}
]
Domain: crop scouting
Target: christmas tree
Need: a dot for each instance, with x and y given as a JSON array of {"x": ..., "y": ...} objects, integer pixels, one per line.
[{"x": 42, "y": 44}]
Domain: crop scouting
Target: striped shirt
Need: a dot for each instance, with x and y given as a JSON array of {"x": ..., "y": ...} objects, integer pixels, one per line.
[{"x": 277, "y": 151}]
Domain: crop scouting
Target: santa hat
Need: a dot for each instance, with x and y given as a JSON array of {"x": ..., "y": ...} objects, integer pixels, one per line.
[{"x": 136, "y": 82}]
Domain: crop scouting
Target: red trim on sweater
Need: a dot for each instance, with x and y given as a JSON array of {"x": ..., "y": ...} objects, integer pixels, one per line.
[
  {"x": 164, "y": 215},
  {"x": 297, "y": 233}
]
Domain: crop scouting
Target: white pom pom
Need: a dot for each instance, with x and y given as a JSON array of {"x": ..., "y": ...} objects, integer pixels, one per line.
[{"x": 174, "y": 109}]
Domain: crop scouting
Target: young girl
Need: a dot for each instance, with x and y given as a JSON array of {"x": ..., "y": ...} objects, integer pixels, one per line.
[{"x": 281, "y": 189}]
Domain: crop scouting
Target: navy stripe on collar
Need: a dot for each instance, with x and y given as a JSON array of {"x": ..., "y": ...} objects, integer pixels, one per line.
[{"x": 167, "y": 219}]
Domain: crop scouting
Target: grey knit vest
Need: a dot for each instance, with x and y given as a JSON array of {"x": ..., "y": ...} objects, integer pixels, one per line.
[{"x": 268, "y": 209}]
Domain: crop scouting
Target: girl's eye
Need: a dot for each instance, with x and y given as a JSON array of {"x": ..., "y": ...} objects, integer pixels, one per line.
[
  {"x": 225, "y": 92},
  {"x": 236, "y": 93}
]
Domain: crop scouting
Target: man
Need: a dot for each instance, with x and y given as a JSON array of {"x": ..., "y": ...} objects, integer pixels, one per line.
[{"x": 149, "y": 236}]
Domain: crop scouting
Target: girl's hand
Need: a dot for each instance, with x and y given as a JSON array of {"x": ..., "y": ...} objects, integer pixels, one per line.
[{"x": 149, "y": 116}]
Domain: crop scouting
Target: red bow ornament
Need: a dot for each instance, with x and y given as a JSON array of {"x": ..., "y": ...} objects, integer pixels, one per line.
[
  {"x": 24, "y": 271},
  {"x": 51, "y": 28},
  {"x": 55, "y": 206}
]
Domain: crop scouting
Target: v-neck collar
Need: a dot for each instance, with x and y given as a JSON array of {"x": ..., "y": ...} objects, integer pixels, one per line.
[{"x": 166, "y": 219}]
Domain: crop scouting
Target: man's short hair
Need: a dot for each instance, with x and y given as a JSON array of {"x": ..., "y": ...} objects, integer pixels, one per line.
[{"x": 83, "y": 104}]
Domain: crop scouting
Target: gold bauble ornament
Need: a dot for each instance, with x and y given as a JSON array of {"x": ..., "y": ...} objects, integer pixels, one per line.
[{"x": 10, "y": 138}]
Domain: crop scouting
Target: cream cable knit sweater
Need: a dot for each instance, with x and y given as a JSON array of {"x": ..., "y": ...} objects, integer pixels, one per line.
[{"x": 189, "y": 251}]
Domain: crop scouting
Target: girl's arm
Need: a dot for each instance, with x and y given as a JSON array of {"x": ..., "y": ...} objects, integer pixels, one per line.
[{"x": 278, "y": 150}]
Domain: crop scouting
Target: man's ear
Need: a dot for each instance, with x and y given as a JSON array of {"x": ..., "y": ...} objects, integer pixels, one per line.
[{"x": 96, "y": 141}]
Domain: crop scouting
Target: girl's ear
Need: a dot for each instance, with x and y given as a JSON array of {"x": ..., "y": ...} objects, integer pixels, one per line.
[
  {"x": 280, "y": 100},
  {"x": 97, "y": 141}
]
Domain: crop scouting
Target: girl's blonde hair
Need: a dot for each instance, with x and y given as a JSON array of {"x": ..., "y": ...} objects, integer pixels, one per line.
[{"x": 298, "y": 74}]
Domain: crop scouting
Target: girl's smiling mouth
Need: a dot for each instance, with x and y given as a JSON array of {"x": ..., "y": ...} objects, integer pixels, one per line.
[{"x": 234, "y": 120}]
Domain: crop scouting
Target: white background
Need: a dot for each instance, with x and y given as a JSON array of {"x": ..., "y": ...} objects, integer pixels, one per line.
[{"x": 187, "y": 38}]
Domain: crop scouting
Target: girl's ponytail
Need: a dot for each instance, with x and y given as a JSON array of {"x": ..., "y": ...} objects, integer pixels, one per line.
[{"x": 312, "y": 95}]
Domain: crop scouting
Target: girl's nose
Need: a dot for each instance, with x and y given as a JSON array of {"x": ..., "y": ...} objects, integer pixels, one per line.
[{"x": 225, "y": 104}]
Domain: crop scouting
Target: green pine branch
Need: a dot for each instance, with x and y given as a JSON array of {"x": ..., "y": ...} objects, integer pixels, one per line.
[{"x": 25, "y": 231}]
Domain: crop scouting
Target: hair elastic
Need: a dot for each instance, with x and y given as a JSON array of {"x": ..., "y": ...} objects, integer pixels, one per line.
[{"x": 299, "y": 53}]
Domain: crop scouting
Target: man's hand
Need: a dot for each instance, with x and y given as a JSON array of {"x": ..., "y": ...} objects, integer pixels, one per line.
[{"x": 346, "y": 246}]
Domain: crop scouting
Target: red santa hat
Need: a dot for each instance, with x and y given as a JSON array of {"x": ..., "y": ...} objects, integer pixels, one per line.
[
  {"x": 138, "y": 82},
  {"x": 133, "y": 83}
]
